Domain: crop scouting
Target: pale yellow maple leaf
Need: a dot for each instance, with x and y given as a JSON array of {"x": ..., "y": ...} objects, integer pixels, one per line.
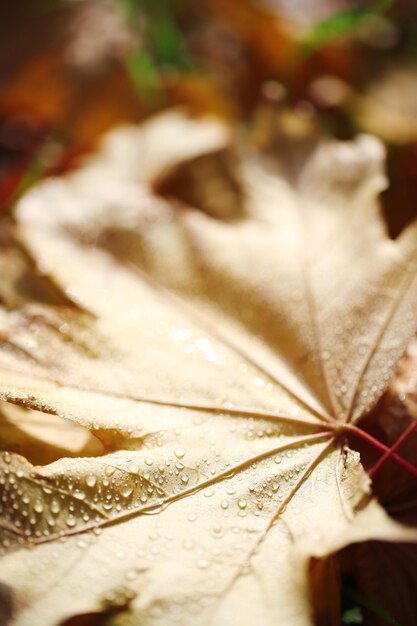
[{"x": 225, "y": 362}]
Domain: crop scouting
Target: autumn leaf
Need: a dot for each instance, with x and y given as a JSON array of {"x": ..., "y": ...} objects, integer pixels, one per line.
[
  {"x": 388, "y": 108},
  {"x": 394, "y": 424},
  {"x": 221, "y": 358}
]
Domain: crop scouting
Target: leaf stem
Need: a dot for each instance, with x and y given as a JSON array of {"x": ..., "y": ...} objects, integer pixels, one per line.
[
  {"x": 389, "y": 453},
  {"x": 362, "y": 434}
]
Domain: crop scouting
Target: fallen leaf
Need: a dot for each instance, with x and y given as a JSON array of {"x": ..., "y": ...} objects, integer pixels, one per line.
[
  {"x": 62, "y": 74},
  {"x": 391, "y": 594},
  {"x": 43, "y": 438},
  {"x": 223, "y": 362},
  {"x": 20, "y": 281},
  {"x": 392, "y": 423},
  {"x": 388, "y": 108}
]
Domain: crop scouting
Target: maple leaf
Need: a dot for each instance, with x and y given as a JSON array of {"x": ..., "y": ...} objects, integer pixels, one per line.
[
  {"x": 394, "y": 424},
  {"x": 221, "y": 360}
]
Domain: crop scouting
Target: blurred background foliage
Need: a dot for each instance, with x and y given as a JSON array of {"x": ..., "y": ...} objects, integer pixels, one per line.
[{"x": 72, "y": 69}]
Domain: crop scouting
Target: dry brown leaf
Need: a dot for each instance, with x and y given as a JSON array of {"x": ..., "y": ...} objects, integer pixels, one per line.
[
  {"x": 62, "y": 73},
  {"x": 389, "y": 107},
  {"x": 385, "y": 573},
  {"x": 225, "y": 364}
]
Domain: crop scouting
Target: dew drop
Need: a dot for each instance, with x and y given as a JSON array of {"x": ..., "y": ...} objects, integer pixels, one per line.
[
  {"x": 217, "y": 531},
  {"x": 55, "y": 507},
  {"x": 38, "y": 507},
  {"x": 131, "y": 574},
  {"x": 127, "y": 491},
  {"x": 71, "y": 521},
  {"x": 91, "y": 480}
]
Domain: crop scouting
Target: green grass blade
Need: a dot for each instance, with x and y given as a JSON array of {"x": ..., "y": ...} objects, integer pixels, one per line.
[{"x": 342, "y": 23}]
